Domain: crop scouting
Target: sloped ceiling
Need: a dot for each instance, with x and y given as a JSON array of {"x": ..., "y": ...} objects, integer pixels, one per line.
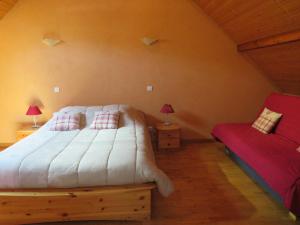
[
  {"x": 5, "y": 6},
  {"x": 257, "y": 21}
]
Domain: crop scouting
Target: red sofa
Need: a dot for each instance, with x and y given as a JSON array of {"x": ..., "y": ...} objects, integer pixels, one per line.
[{"x": 274, "y": 157}]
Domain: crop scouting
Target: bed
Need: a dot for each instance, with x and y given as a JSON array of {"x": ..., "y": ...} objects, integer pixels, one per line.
[{"x": 103, "y": 174}]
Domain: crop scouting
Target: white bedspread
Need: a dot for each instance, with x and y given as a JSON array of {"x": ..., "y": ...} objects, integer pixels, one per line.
[{"x": 84, "y": 158}]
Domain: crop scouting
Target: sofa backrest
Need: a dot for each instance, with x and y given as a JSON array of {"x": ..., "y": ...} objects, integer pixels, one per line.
[{"x": 289, "y": 106}]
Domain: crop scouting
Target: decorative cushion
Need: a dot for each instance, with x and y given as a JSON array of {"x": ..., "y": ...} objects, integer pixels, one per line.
[
  {"x": 105, "y": 120},
  {"x": 65, "y": 122},
  {"x": 289, "y": 106},
  {"x": 266, "y": 121}
]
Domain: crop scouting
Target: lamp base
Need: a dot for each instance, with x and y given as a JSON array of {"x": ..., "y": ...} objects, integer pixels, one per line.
[
  {"x": 167, "y": 123},
  {"x": 35, "y": 125}
]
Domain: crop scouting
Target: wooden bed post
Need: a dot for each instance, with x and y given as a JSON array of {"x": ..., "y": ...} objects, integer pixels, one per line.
[{"x": 132, "y": 202}]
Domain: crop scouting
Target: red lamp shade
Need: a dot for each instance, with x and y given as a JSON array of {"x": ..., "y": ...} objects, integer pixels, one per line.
[
  {"x": 33, "y": 110},
  {"x": 167, "y": 108}
]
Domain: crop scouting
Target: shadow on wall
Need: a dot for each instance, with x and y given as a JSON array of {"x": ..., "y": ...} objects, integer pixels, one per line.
[
  {"x": 183, "y": 118},
  {"x": 187, "y": 119},
  {"x": 190, "y": 118},
  {"x": 34, "y": 100}
]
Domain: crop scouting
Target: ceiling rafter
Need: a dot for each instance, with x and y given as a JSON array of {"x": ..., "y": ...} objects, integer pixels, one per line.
[
  {"x": 277, "y": 39},
  {"x": 267, "y": 31}
]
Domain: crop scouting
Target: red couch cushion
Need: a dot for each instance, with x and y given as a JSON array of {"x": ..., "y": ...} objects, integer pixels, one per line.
[
  {"x": 272, "y": 156},
  {"x": 289, "y": 106}
]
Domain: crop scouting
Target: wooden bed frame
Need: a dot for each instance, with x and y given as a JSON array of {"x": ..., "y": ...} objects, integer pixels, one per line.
[{"x": 131, "y": 202}]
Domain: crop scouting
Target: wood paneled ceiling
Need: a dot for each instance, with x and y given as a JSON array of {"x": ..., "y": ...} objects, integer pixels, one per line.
[
  {"x": 268, "y": 31},
  {"x": 5, "y": 6}
]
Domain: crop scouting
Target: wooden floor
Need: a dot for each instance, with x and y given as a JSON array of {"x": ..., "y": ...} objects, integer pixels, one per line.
[{"x": 210, "y": 189}]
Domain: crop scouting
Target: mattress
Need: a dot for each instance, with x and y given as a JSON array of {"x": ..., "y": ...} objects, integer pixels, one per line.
[{"x": 85, "y": 157}]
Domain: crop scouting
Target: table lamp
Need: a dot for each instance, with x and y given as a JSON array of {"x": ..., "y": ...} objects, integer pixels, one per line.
[
  {"x": 34, "y": 111},
  {"x": 167, "y": 109}
]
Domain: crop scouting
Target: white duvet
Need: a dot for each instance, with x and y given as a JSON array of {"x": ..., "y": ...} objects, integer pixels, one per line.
[{"x": 84, "y": 158}]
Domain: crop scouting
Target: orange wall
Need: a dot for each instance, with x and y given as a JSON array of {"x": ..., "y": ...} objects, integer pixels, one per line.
[{"x": 195, "y": 66}]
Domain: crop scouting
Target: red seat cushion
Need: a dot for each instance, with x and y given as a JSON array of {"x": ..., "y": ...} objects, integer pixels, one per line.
[
  {"x": 289, "y": 107},
  {"x": 272, "y": 156}
]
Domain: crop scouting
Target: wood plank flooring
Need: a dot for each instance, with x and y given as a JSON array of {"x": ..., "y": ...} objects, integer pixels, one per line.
[{"x": 210, "y": 189}]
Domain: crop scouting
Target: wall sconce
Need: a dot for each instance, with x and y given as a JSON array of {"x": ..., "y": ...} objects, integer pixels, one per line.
[
  {"x": 51, "y": 40},
  {"x": 149, "y": 41}
]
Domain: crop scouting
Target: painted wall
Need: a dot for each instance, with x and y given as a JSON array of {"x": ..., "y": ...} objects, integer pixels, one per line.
[{"x": 195, "y": 66}]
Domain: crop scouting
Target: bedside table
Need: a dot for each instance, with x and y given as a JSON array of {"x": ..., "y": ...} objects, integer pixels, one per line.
[
  {"x": 25, "y": 131},
  {"x": 168, "y": 136}
]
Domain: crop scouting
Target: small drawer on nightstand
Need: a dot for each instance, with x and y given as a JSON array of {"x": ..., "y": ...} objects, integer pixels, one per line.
[
  {"x": 169, "y": 134},
  {"x": 169, "y": 143}
]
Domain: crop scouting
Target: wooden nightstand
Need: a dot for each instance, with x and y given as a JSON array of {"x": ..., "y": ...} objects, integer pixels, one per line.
[
  {"x": 168, "y": 136},
  {"x": 25, "y": 131}
]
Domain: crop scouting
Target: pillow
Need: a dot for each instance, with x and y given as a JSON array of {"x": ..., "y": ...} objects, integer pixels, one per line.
[
  {"x": 105, "y": 120},
  {"x": 65, "y": 122},
  {"x": 266, "y": 121}
]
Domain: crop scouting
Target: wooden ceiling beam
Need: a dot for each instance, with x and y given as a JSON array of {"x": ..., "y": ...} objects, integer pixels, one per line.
[{"x": 278, "y": 39}]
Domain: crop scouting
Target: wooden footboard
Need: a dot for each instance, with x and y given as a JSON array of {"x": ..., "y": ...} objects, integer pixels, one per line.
[{"x": 53, "y": 205}]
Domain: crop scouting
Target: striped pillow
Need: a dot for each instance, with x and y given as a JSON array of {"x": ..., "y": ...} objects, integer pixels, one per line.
[
  {"x": 105, "y": 120},
  {"x": 266, "y": 121},
  {"x": 65, "y": 122}
]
